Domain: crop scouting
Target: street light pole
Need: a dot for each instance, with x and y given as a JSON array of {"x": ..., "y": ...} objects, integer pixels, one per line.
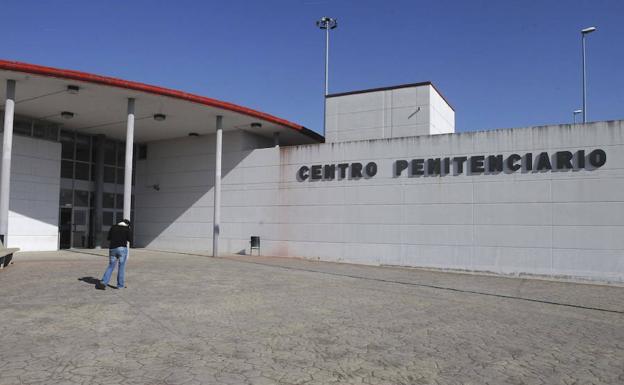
[
  {"x": 584, "y": 32},
  {"x": 326, "y": 23}
]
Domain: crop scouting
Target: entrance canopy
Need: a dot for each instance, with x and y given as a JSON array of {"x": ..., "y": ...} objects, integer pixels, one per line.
[{"x": 94, "y": 104}]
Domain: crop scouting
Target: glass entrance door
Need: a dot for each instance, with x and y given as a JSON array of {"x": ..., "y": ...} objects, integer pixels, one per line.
[
  {"x": 65, "y": 226},
  {"x": 80, "y": 157},
  {"x": 80, "y": 228}
]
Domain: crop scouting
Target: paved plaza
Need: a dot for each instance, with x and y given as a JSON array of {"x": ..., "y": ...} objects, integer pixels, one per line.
[{"x": 189, "y": 319}]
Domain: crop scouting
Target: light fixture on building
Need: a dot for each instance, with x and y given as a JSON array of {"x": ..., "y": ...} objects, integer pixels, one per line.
[
  {"x": 193, "y": 134},
  {"x": 574, "y": 113},
  {"x": 160, "y": 117},
  {"x": 67, "y": 115},
  {"x": 256, "y": 125},
  {"x": 156, "y": 187},
  {"x": 71, "y": 89}
]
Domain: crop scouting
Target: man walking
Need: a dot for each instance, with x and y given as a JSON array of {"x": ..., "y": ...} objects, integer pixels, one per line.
[{"x": 119, "y": 236}]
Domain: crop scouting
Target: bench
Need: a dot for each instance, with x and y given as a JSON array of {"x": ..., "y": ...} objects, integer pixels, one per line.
[{"x": 6, "y": 255}]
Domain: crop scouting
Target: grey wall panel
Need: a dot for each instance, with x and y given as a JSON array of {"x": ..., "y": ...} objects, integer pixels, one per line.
[
  {"x": 513, "y": 235},
  {"x": 588, "y": 213},
  {"x": 513, "y": 260},
  {"x": 513, "y": 213},
  {"x": 598, "y": 264},
  {"x": 589, "y": 237}
]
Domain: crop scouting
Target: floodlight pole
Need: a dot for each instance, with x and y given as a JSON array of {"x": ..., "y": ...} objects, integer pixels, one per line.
[
  {"x": 326, "y": 61},
  {"x": 326, "y": 23}
]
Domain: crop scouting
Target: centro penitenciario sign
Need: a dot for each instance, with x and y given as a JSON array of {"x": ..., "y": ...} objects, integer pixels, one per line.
[{"x": 459, "y": 165}]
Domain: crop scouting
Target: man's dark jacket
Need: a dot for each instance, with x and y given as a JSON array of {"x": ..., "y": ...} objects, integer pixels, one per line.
[{"x": 119, "y": 236}]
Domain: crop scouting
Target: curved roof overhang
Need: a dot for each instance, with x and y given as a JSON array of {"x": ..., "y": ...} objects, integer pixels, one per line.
[{"x": 100, "y": 106}]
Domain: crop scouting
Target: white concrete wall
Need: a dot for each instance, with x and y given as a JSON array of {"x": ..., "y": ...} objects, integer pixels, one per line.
[
  {"x": 35, "y": 189},
  {"x": 442, "y": 116},
  {"x": 179, "y": 216},
  {"x": 568, "y": 223},
  {"x": 391, "y": 113}
]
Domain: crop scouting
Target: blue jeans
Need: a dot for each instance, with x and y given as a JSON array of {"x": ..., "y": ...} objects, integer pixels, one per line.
[{"x": 115, "y": 255}]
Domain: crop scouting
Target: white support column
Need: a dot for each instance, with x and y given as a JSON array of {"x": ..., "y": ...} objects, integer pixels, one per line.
[
  {"x": 276, "y": 141},
  {"x": 128, "y": 168},
  {"x": 7, "y": 144},
  {"x": 217, "y": 189}
]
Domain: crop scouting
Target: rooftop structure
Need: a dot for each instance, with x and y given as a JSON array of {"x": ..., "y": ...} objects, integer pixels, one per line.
[{"x": 390, "y": 112}]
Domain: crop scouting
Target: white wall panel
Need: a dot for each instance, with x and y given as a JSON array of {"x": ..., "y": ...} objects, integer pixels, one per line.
[
  {"x": 554, "y": 223},
  {"x": 35, "y": 190},
  {"x": 388, "y": 113}
]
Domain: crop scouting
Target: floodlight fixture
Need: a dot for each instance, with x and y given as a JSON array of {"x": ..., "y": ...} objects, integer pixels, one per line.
[{"x": 326, "y": 22}]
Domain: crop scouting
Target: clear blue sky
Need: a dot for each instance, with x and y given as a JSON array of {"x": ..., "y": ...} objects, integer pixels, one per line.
[{"x": 501, "y": 63}]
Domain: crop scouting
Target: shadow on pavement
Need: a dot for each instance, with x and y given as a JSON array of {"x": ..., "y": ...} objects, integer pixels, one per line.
[{"x": 91, "y": 281}]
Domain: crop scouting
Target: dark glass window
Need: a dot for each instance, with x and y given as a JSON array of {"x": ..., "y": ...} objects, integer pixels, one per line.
[
  {"x": 107, "y": 219},
  {"x": 120, "y": 175},
  {"x": 120, "y": 201},
  {"x": 66, "y": 197},
  {"x": 108, "y": 201},
  {"x": 104, "y": 240},
  {"x": 81, "y": 198},
  {"x": 45, "y": 130},
  {"x": 67, "y": 169},
  {"x": 83, "y": 145},
  {"x": 109, "y": 153},
  {"x": 82, "y": 171},
  {"x": 67, "y": 143},
  {"x": 121, "y": 154},
  {"x": 80, "y": 217},
  {"x": 22, "y": 127},
  {"x": 143, "y": 151},
  {"x": 109, "y": 174},
  {"x": 97, "y": 142}
]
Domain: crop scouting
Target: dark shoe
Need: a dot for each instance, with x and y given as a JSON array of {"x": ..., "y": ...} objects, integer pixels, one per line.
[{"x": 100, "y": 286}]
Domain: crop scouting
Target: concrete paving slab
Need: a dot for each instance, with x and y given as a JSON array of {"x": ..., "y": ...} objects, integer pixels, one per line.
[{"x": 188, "y": 319}]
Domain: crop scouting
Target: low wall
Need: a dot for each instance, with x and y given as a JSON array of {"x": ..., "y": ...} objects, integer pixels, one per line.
[{"x": 558, "y": 213}]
